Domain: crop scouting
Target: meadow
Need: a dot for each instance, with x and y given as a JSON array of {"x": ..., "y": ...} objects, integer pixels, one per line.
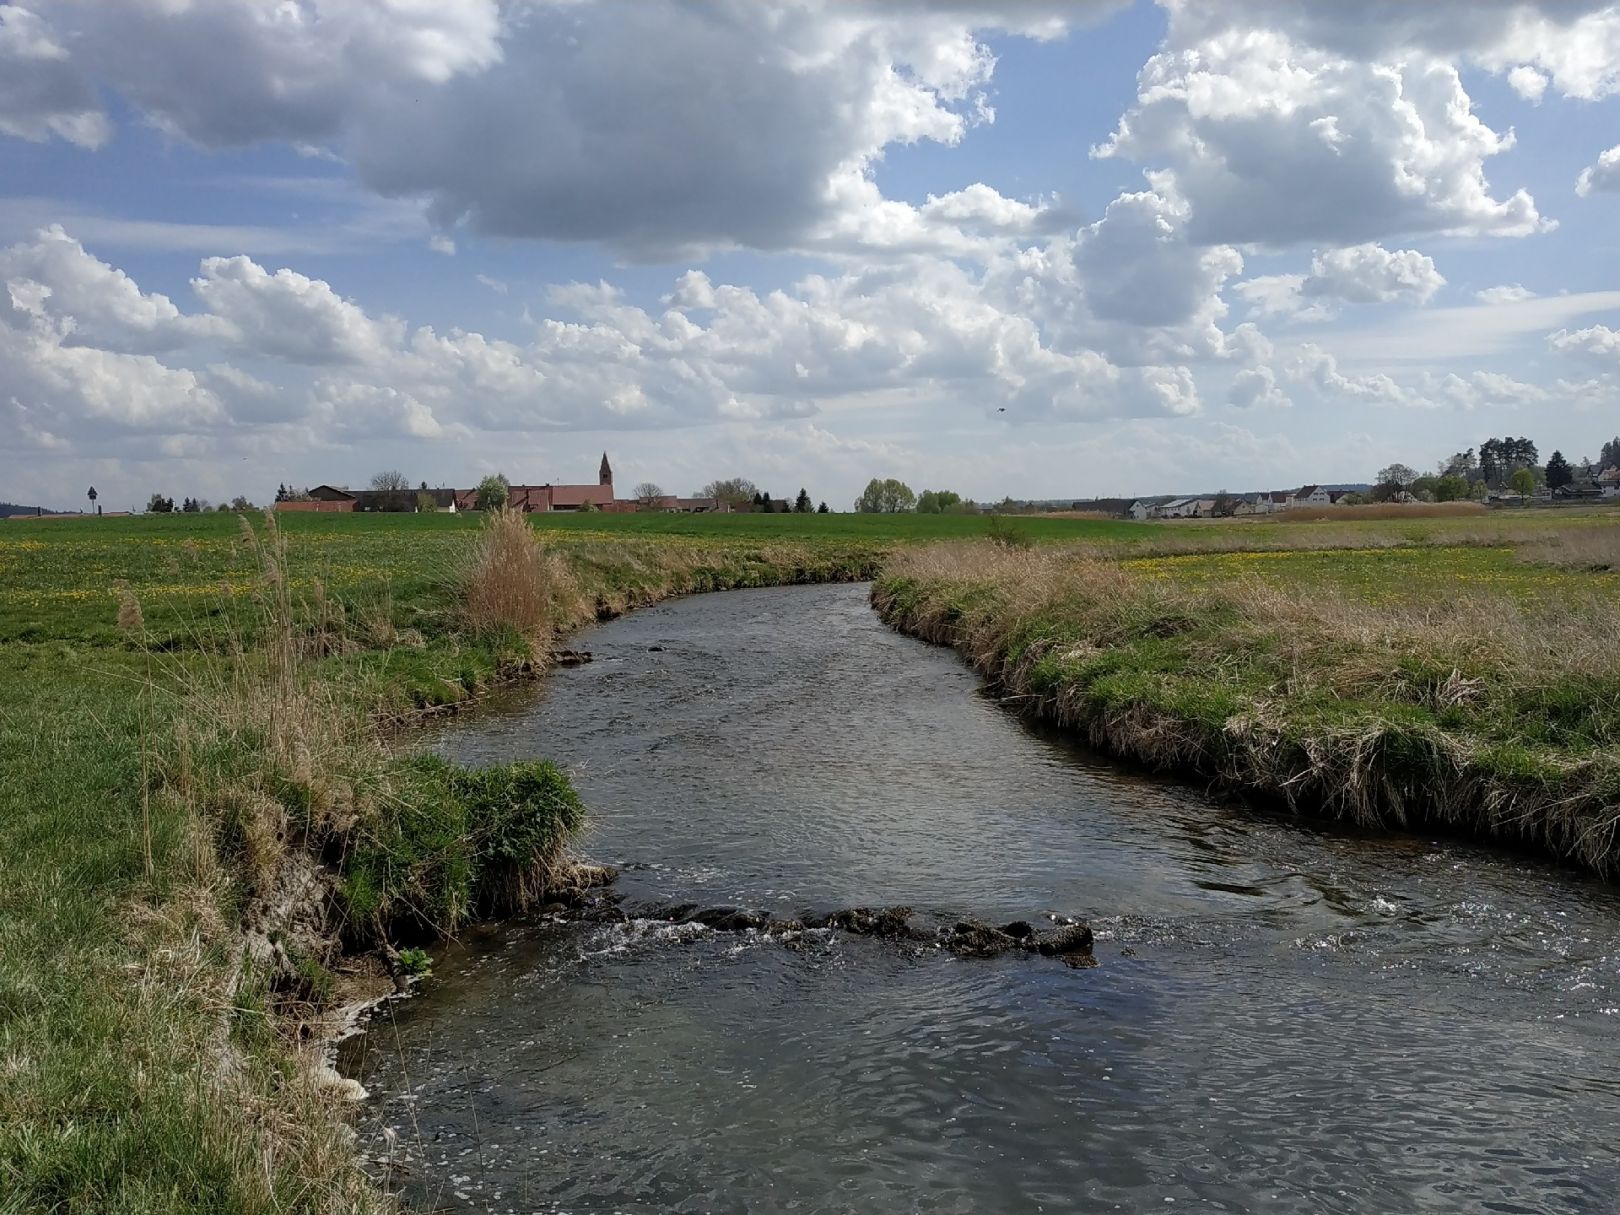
[{"x": 192, "y": 707}]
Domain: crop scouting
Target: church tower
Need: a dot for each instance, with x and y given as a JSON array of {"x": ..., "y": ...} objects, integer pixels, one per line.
[{"x": 605, "y": 476}]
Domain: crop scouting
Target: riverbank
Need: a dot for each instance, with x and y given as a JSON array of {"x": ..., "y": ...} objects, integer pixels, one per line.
[
  {"x": 152, "y": 809},
  {"x": 1465, "y": 690},
  {"x": 198, "y": 813}
]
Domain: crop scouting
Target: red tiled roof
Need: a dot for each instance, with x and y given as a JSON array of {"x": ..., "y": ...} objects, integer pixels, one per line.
[{"x": 577, "y": 495}]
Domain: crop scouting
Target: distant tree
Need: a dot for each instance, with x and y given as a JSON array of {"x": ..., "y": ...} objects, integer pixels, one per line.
[
  {"x": 1451, "y": 488},
  {"x": 1500, "y": 458},
  {"x": 157, "y": 504},
  {"x": 425, "y": 502},
  {"x": 1523, "y": 482},
  {"x": 1225, "y": 505},
  {"x": 647, "y": 495},
  {"x": 281, "y": 493},
  {"x": 936, "y": 501},
  {"x": 588, "y": 508},
  {"x": 1610, "y": 456},
  {"x": 390, "y": 479},
  {"x": 239, "y": 503},
  {"x": 822, "y": 509},
  {"x": 734, "y": 492},
  {"x": 1423, "y": 488},
  {"x": 393, "y": 490},
  {"x": 1461, "y": 464},
  {"x": 967, "y": 506},
  {"x": 493, "y": 492},
  {"x": 886, "y": 497},
  {"x": 1559, "y": 473},
  {"x": 190, "y": 506},
  {"x": 801, "y": 504}
]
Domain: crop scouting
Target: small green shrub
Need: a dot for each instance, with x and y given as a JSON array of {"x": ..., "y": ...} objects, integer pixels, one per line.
[
  {"x": 1007, "y": 534},
  {"x": 415, "y": 962}
]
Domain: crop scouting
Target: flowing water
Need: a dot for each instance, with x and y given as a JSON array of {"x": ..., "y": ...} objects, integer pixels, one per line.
[{"x": 1283, "y": 1019}]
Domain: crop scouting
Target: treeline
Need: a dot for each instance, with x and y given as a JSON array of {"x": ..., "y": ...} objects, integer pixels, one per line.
[
  {"x": 1500, "y": 465},
  {"x": 158, "y": 504},
  {"x": 891, "y": 497}
]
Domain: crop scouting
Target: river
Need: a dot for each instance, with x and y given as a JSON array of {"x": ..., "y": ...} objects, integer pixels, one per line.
[{"x": 1283, "y": 1018}]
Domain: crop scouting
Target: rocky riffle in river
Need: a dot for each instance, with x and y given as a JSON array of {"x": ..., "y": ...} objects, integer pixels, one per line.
[{"x": 1066, "y": 939}]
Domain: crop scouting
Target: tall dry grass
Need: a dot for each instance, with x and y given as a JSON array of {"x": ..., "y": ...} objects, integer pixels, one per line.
[
  {"x": 1481, "y": 713},
  {"x": 514, "y": 581},
  {"x": 1591, "y": 548},
  {"x": 1381, "y": 510}
]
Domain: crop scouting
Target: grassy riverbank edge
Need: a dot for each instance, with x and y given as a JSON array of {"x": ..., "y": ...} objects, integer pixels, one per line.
[
  {"x": 191, "y": 813},
  {"x": 1417, "y": 722}
]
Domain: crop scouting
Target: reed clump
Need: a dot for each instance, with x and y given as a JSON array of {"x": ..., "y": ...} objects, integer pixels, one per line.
[
  {"x": 1481, "y": 714},
  {"x": 514, "y": 582}
]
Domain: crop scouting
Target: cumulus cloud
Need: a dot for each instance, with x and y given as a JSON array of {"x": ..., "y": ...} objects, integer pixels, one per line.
[
  {"x": 288, "y": 316},
  {"x": 1257, "y": 388},
  {"x": 1506, "y": 293},
  {"x": 1604, "y": 175},
  {"x": 90, "y": 303},
  {"x": 1528, "y": 83},
  {"x": 1273, "y": 141},
  {"x": 1597, "y": 342},
  {"x": 1359, "y": 274},
  {"x": 1576, "y": 43},
  {"x": 690, "y": 127},
  {"x": 42, "y": 93}
]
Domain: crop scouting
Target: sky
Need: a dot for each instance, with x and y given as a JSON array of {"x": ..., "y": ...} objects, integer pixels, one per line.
[{"x": 1028, "y": 248}]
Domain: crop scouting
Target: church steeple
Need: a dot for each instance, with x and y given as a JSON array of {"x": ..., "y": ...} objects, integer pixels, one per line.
[{"x": 605, "y": 476}]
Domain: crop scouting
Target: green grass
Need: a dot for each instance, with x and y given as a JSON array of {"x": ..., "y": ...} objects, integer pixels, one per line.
[
  {"x": 142, "y": 1067},
  {"x": 122, "y": 987},
  {"x": 1460, "y": 687}
]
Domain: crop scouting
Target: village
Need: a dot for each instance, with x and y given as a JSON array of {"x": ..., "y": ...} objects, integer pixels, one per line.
[{"x": 528, "y": 499}]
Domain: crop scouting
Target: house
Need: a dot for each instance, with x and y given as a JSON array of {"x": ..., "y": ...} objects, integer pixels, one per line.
[
  {"x": 1118, "y": 508},
  {"x": 327, "y": 499},
  {"x": 1608, "y": 482},
  {"x": 1310, "y": 495},
  {"x": 1184, "y": 508}
]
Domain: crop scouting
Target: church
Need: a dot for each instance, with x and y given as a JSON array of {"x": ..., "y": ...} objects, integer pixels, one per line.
[{"x": 536, "y": 499}]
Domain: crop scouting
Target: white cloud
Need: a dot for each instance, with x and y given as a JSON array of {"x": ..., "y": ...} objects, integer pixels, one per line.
[
  {"x": 88, "y": 302},
  {"x": 1359, "y": 274},
  {"x": 690, "y": 127},
  {"x": 1604, "y": 175},
  {"x": 1257, "y": 388},
  {"x": 441, "y": 243},
  {"x": 1275, "y": 141},
  {"x": 1528, "y": 83},
  {"x": 288, "y": 316},
  {"x": 1597, "y": 342},
  {"x": 1507, "y": 293},
  {"x": 41, "y": 92},
  {"x": 1477, "y": 390},
  {"x": 1574, "y": 42}
]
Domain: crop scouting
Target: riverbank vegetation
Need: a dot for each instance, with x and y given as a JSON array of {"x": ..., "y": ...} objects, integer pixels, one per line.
[
  {"x": 205, "y": 790},
  {"x": 1464, "y": 688},
  {"x": 200, "y": 802}
]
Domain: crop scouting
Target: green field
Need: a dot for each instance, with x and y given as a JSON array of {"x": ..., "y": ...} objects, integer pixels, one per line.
[{"x": 1362, "y": 668}]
